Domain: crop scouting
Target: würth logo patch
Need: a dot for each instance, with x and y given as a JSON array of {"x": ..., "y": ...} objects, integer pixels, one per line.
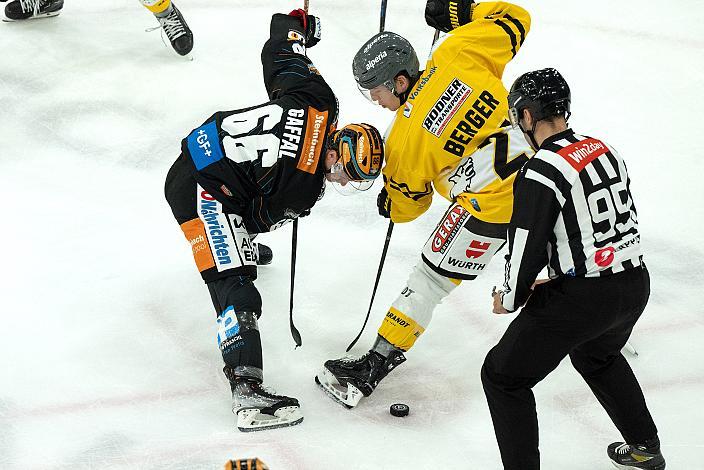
[
  {"x": 477, "y": 249},
  {"x": 446, "y": 107},
  {"x": 583, "y": 152}
]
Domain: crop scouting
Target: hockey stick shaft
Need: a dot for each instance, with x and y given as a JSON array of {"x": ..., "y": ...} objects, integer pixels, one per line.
[
  {"x": 376, "y": 283},
  {"x": 294, "y": 241},
  {"x": 382, "y": 16},
  {"x": 295, "y": 334}
]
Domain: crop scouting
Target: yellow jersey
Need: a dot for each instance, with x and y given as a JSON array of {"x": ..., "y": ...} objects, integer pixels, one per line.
[{"x": 457, "y": 106}]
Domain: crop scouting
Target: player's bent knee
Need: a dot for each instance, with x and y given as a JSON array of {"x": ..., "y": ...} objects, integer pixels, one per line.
[
  {"x": 462, "y": 245},
  {"x": 238, "y": 292},
  {"x": 589, "y": 366}
]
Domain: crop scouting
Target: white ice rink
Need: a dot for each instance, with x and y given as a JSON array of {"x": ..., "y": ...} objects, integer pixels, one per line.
[{"x": 107, "y": 342}]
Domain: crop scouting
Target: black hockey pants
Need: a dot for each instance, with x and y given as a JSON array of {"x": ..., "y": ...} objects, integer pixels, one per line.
[
  {"x": 224, "y": 256},
  {"x": 589, "y": 319}
]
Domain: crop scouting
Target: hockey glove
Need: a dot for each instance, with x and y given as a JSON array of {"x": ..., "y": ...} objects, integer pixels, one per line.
[
  {"x": 383, "y": 203},
  {"x": 311, "y": 26},
  {"x": 447, "y": 15}
]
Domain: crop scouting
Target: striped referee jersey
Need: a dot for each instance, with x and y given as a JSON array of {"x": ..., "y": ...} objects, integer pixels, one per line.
[{"x": 572, "y": 212}]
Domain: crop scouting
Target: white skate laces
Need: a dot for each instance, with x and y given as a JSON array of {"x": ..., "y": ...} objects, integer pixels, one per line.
[
  {"x": 623, "y": 449},
  {"x": 171, "y": 25},
  {"x": 30, "y": 5}
]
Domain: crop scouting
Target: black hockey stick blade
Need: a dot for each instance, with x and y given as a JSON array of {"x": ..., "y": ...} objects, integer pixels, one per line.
[
  {"x": 294, "y": 241},
  {"x": 376, "y": 283}
]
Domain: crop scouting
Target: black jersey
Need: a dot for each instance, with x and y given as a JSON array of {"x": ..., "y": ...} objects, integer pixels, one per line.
[
  {"x": 573, "y": 212},
  {"x": 266, "y": 162}
]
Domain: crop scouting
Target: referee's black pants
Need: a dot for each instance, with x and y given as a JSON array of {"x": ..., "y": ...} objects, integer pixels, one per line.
[{"x": 589, "y": 319}]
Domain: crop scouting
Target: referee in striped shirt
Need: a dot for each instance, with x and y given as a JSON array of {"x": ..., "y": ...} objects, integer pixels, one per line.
[{"x": 573, "y": 213}]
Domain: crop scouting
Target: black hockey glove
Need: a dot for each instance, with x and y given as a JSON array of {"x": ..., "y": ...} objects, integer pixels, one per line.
[
  {"x": 383, "y": 203},
  {"x": 311, "y": 26},
  {"x": 447, "y": 15}
]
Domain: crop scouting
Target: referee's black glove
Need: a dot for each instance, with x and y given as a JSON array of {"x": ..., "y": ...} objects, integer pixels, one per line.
[
  {"x": 447, "y": 15},
  {"x": 383, "y": 203}
]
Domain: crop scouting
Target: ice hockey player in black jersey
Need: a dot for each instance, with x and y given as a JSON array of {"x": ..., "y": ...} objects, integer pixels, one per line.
[
  {"x": 249, "y": 171},
  {"x": 574, "y": 214}
]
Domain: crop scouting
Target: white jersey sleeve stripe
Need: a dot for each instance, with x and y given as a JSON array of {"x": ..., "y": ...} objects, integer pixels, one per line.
[{"x": 544, "y": 180}]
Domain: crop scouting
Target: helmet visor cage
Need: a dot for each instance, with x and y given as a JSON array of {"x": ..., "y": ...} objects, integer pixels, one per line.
[{"x": 367, "y": 93}]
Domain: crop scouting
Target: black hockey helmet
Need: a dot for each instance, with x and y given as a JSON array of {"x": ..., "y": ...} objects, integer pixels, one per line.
[
  {"x": 381, "y": 59},
  {"x": 544, "y": 93}
]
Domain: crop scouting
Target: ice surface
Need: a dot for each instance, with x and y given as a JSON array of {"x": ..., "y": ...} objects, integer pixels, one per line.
[{"x": 107, "y": 346}]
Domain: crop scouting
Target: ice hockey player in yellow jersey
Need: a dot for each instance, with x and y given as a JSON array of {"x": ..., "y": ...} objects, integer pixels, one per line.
[{"x": 450, "y": 135}]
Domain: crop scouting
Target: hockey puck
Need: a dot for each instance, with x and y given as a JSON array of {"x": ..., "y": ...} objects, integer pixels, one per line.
[{"x": 399, "y": 409}]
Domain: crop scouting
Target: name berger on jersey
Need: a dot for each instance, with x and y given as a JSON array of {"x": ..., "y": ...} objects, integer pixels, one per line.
[{"x": 474, "y": 119}]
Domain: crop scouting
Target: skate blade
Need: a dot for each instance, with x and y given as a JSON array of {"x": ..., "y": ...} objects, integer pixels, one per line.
[
  {"x": 43, "y": 15},
  {"x": 631, "y": 467},
  {"x": 250, "y": 420},
  {"x": 348, "y": 396}
]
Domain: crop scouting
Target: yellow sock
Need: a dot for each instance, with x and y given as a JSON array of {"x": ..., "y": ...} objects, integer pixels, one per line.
[{"x": 156, "y": 6}]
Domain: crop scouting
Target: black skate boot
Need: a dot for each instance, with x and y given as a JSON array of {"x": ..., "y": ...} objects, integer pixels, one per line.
[
  {"x": 176, "y": 29},
  {"x": 348, "y": 380},
  {"x": 30, "y": 9},
  {"x": 626, "y": 456},
  {"x": 258, "y": 409},
  {"x": 263, "y": 253}
]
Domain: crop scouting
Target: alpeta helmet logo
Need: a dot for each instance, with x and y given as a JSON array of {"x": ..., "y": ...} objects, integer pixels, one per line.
[
  {"x": 372, "y": 63},
  {"x": 376, "y": 39}
]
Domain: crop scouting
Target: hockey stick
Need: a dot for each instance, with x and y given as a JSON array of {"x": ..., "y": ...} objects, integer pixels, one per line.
[
  {"x": 295, "y": 334},
  {"x": 376, "y": 283},
  {"x": 382, "y": 16},
  {"x": 294, "y": 241},
  {"x": 382, "y": 24}
]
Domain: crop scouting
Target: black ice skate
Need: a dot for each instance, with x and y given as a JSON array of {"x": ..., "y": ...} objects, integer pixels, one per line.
[
  {"x": 626, "y": 456},
  {"x": 177, "y": 30},
  {"x": 31, "y": 9},
  {"x": 263, "y": 253},
  {"x": 258, "y": 409},
  {"x": 348, "y": 380}
]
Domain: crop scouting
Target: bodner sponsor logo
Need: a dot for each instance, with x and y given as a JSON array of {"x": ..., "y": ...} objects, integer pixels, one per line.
[{"x": 446, "y": 106}]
